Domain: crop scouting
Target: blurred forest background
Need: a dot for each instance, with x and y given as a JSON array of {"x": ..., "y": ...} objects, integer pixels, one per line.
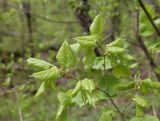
[{"x": 37, "y": 28}]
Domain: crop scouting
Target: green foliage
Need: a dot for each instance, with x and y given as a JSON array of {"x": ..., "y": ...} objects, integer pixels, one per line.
[
  {"x": 38, "y": 64},
  {"x": 106, "y": 71},
  {"x": 140, "y": 101},
  {"x": 87, "y": 41},
  {"x": 97, "y": 26},
  {"x": 66, "y": 56}
]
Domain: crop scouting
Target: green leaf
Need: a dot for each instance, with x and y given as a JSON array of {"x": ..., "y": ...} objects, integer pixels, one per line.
[
  {"x": 99, "y": 63},
  {"x": 84, "y": 93},
  {"x": 38, "y": 64},
  {"x": 125, "y": 86},
  {"x": 66, "y": 56},
  {"x": 115, "y": 50},
  {"x": 76, "y": 89},
  {"x": 88, "y": 84},
  {"x": 47, "y": 75},
  {"x": 87, "y": 41},
  {"x": 151, "y": 84},
  {"x": 76, "y": 47},
  {"x": 139, "y": 111},
  {"x": 121, "y": 71},
  {"x": 78, "y": 99},
  {"x": 97, "y": 25},
  {"x": 117, "y": 43},
  {"x": 42, "y": 88},
  {"x": 61, "y": 114},
  {"x": 89, "y": 58},
  {"x": 140, "y": 101}
]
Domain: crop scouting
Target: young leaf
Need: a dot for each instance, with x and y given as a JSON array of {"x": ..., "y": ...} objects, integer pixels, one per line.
[
  {"x": 115, "y": 50},
  {"x": 47, "y": 75},
  {"x": 97, "y": 25},
  {"x": 140, "y": 101},
  {"x": 76, "y": 89},
  {"x": 88, "y": 84},
  {"x": 87, "y": 41},
  {"x": 121, "y": 71},
  {"x": 117, "y": 43},
  {"x": 66, "y": 56},
  {"x": 42, "y": 88},
  {"x": 38, "y": 64},
  {"x": 76, "y": 47},
  {"x": 61, "y": 114},
  {"x": 151, "y": 84},
  {"x": 78, "y": 99}
]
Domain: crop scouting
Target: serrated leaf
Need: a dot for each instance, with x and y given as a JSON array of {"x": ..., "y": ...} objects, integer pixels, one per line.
[
  {"x": 78, "y": 99},
  {"x": 117, "y": 43},
  {"x": 87, "y": 41},
  {"x": 97, "y": 25},
  {"x": 89, "y": 57},
  {"x": 66, "y": 56},
  {"x": 99, "y": 63},
  {"x": 140, "y": 101},
  {"x": 84, "y": 93},
  {"x": 47, "y": 75},
  {"x": 38, "y": 64},
  {"x": 92, "y": 98},
  {"x": 115, "y": 50},
  {"x": 88, "y": 84},
  {"x": 76, "y": 47}
]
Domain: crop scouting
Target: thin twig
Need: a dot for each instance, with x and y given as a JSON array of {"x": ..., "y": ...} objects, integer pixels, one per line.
[
  {"x": 143, "y": 46},
  {"x": 110, "y": 98},
  {"x": 105, "y": 73},
  {"x": 149, "y": 17}
]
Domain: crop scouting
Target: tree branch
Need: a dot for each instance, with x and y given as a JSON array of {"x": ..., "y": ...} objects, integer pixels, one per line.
[
  {"x": 111, "y": 100},
  {"x": 143, "y": 46},
  {"x": 149, "y": 17}
]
